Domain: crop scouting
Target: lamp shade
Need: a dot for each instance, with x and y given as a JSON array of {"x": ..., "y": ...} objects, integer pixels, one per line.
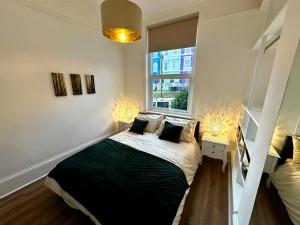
[{"x": 121, "y": 20}]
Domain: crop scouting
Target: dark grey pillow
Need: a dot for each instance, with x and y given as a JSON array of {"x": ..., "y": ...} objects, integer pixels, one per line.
[
  {"x": 171, "y": 132},
  {"x": 138, "y": 126},
  {"x": 287, "y": 151}
]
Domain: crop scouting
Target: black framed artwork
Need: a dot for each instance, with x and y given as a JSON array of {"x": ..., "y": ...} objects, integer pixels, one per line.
[
  {"x": 59, "y": 84},
  {"x": 90, "y": 84},
  {"x": 76, "y": 84}
]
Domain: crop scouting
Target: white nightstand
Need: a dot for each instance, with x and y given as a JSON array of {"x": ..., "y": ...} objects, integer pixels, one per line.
[
  {"x": 215, "y": 147},
  {"x": 271, "y": 163},
  {"x": 271, "y": 160}
]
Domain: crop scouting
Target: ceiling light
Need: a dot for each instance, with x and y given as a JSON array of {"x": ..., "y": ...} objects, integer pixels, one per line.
[{"x": 121, "y": 20}]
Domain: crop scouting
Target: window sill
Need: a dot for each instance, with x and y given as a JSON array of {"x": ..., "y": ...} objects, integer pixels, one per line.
[{"x": 183, "y": 115}]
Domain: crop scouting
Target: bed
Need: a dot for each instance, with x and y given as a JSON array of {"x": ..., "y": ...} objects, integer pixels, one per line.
[
  {"x": 138, "y": 179},
  {"x": 286, "y": 180}
]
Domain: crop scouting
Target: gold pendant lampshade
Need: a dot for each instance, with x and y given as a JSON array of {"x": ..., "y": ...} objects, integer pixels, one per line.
[{"x": 121, "y": 20}]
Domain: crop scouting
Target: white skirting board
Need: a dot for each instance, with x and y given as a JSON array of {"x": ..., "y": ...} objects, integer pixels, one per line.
[{"x": 20, "y": 179}]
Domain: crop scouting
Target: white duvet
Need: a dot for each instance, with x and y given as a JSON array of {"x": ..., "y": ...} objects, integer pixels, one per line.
[
  {"x": 184, "y": 155},
  {"x": 286, "y": 179}
]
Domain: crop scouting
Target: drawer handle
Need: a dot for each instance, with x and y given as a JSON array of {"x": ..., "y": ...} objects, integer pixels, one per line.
[
  {"x": 213, "y": 152},
  {"x": 214, "y": 146}
]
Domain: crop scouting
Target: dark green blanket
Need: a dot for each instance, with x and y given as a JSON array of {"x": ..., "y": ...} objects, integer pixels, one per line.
[{"x": 120, "y": 185}]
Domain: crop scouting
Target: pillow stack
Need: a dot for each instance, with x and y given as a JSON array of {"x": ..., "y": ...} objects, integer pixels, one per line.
[
  {"x": 138, "y": 126},
  {"x": 171, "y": 132},
  {"x": 187, "y": 133},
  {"x": 146, "y": 123},
  {"x": 153, "y": 121},
  {"x": 170, "y": 129}
]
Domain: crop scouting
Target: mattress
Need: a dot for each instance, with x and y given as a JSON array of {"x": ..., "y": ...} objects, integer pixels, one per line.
[
  {"x": 184, "y": 155},
  {"x": 286, "y": 180}
]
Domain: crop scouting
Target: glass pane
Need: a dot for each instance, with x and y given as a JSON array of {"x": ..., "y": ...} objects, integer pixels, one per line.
[
  {"x": 176, "y": 61},
  {"x": 170, "y": 93}
]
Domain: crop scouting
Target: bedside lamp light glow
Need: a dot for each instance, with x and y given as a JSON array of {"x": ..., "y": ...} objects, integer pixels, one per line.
[
  {"x": 125, "y": 110},
  {"x": 216, "y": 126}
]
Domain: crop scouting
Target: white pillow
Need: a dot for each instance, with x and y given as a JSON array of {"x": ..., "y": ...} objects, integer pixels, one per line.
[
  {"x": 188, "y": 131},
  {"x": 296, "y": 154},
  {"x": 153, "y": 121}
]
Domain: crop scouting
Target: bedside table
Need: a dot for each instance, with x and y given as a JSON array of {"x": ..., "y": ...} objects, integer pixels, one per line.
[
  {"x": 271, "y": 160},
  {"x": 271, "y": 163},
  {"x": 215, "y": 147}
]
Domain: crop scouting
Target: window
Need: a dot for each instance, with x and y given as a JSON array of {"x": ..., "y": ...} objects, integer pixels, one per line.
[
  {"x": 166, "y": 65},
  {"x": 155, "y": 67},
  {"x": 187, "y": 63},
  {"x": 176, "y": 65},
  {"x": 171, "y": 81},
  {"x": 155, "y": 55},
  {"x": 188, "y": 51},
  {"x": 170, "y": 88}
]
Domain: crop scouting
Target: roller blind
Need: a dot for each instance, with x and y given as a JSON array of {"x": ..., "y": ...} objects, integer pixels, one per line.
[{"x": 180, "y": 34}]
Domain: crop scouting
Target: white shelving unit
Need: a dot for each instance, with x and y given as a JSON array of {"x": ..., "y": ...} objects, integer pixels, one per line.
[
  {"x": 249, "y": 123},
  {"x": 255, "y": 115},
  {"x": 250, "y": 117}
]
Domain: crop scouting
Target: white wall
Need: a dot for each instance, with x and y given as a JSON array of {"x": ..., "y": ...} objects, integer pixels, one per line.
[
  {"x": 223, "y": 46},
  {"x": 34, "y": 124},
  {"x": 222, "y": 58},
  {"x": 290, "y": 107}
]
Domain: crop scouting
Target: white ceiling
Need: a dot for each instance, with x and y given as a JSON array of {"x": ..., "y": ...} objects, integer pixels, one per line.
[
  {"x": 153, "y": 7},
  {"x": 87, "y": 11},
  {"x": 156, "y": 7}
]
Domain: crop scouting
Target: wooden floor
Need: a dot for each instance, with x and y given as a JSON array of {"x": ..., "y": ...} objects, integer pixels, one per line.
[
  {"x": 207, "y": 203},
  {"x": 268, "y": 207}
]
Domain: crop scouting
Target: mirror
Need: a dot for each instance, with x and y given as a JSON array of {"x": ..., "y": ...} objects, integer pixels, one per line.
[{"x": 278, "y": 197}]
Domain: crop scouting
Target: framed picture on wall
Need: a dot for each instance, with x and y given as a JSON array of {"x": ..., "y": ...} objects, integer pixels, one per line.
[
  {"x": 90, "y": 84},
  {"x": 76, "y": 84},
  {"x": 59, "y": 84}
]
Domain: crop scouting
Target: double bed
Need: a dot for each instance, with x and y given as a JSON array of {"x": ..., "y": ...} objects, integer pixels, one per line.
[
  {"x": 286, "y": 180},
  {"x": 128, "y": 179}
]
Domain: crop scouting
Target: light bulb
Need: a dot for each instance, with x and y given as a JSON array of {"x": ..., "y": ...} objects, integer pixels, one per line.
[{"x": 122, "y": 37}]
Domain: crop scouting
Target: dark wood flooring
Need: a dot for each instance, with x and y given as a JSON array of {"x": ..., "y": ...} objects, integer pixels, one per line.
[
  {"x": 268, "y": 208},
  {"x": 206, "y": 204}
]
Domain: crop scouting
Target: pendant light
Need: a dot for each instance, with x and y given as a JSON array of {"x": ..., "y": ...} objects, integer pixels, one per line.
[{"x": 121, "y": 20}]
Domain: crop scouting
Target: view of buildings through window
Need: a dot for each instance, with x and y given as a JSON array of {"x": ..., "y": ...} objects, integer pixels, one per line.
[{"x": 176, "y": 67}]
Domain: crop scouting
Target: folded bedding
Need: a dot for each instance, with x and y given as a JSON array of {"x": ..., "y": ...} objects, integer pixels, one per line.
[
  {"x": 119, "y": 184},
  {"x": 286, "y": 179}
]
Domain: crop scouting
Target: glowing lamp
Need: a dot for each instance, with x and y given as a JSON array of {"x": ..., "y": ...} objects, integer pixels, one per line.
[
  {"x": 216, "y": 126},
  {"x": 121, "y": 21},
  {"x": 125, "y": 110}
]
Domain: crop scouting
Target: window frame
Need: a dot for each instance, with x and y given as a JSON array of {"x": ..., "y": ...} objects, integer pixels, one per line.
[{"x": 149, "y": 91}]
